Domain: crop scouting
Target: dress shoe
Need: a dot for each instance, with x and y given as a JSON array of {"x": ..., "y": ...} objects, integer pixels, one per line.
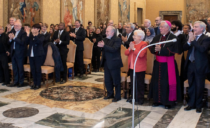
[
  {"x": 5, "y": 84},
  {"x": 80, "y": 76},
  {"x": 62, "y": 82},
  {"x": 115, "y": 100},
  {"x": 198, "y": 110},
  {"x": 13, "y": 85},
  {"x": 141, "y": 102},
  {"x": 129, "y": 100},
  {"x": 155, "y": 104},
  {"x": 20, "y": 85},
  {"x": 33, "y": 86},
  {"x": 36, "y": 87},
  {"x": 167, "y": 106},
  {"x": 108, "y": 97},
  {"x": 188, "y": 108}
]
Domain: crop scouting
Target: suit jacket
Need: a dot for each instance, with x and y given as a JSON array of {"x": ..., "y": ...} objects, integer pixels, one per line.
[
  {"x": 157, "y": 30},
  {"x": 37, "y": 44},
  {"x": 4, "y": 42},
  {"x": 111, "y": 53},
  {"x": 130, "y": 39},
  {"x": 46, "y": 38},
  {"x": 12, "y": 30},
  {"x": 65, "y": 38},
  {"x": 20, "y": 44},
  {"x": 80, "y": 37},
  {"x": 200, "y": 53}
]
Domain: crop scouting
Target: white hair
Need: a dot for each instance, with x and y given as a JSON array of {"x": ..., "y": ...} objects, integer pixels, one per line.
[
  {"x": 148, "y": 21},
  {"x": 201, "y": 24},
  {"x": 132, "y": 25},
  {"x": 166, "y": 25},
  {"x": 19, "y": 22},
  {"x": 140, "y": 33},
  {"x": 112, "y": 28}
]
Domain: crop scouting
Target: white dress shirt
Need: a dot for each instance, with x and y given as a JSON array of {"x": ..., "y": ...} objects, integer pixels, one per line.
[{"x": 59, "y": 32}]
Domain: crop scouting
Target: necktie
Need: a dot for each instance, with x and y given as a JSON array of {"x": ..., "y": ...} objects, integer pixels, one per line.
[
  {"x": 76, "y": 30},
  {"x": 59, "y": 34},
  {"x": 192, "y": 57}
]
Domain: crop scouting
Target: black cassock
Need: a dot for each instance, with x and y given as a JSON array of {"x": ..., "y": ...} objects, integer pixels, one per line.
[{"x": 159, "y": 86}]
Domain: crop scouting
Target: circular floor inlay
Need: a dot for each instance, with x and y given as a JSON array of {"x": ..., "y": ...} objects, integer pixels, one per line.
[
  {"x": 72, "y": 93},
  {"x": 20, "y": 112},
  {"x": 100, "y": 80}
]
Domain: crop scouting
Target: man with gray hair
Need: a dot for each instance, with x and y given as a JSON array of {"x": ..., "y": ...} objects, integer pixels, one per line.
[
  {"x": 197, "y": 65},
  {"x": 147, "y": 24},
  {"x": 165, "y": 86},
  {"x": 128, "y": 37},
  {"x": 10, "y": 26},
  {"x": 112, "y": 62},
  {"x": 18, "y": 53}
]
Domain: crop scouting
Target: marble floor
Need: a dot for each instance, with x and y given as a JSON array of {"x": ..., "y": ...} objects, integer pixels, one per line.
[{"x": 79, "y": 103}]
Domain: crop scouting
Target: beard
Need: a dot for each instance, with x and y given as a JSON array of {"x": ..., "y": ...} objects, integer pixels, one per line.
[{"x": 173, "y": 29}]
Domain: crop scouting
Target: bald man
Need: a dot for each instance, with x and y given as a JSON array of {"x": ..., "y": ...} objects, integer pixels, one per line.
[
  {"x": 157, "y": 22},
  {"x": 18, "y": 52},
  {"x": 112, "y": 62}
]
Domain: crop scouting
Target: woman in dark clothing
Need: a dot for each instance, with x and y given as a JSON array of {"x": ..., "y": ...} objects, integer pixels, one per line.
[
  {"x": 68, "y": 29},
  {"x": 103, "y": 32},
  {"x": 96, "y": 50},
  {"x": 35, "y": 52}
]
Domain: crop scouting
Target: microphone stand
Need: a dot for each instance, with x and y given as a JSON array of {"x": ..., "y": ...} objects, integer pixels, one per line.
[{"x": 134, "y": 74}]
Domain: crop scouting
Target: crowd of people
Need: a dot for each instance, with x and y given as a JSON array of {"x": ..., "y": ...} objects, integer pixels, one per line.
[{"x": 18, "y": 41}]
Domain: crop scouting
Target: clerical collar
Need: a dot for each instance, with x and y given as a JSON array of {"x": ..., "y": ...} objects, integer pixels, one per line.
[
  {"x": 177, "y": 33},
  {"x": 166, "y": 34}
]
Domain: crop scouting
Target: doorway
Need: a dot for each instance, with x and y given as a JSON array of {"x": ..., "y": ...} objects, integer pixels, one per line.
[{"x": 139, "y": 16}]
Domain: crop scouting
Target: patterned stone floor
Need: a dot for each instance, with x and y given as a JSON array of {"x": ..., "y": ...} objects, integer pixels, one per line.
[{"x": 89, "y": 111}]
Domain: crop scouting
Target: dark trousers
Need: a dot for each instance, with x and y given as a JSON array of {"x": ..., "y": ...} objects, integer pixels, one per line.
[
  {"x": 96, "y": 58},
  {"x": 139, "y": 85},
  {"x": 36, "y": 71},
  {"x": 18, "y": 71},
  {"x": 112, "y": 79},
  {"x": 79, "y": 64},
  {"x": 64, "y": 72},
  {"x": 4, "y": 69},
  {"x": 196, "y": 86}
]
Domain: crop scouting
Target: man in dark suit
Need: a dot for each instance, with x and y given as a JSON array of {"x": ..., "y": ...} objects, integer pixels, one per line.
[
  {"x": 112, "y": 62},
  {"x": 157, "y": 22},
  {"x": 17, "y": 41},
  {"x": 35, "y": 52},
  {"x": 78, "y": 36},
  {"x": 4, "y": 53},
  {"x": 61, "y": 39},
  {"x": 197, "y": 65},
  {"x": 128, "y": 37},
  {"x": 45, "y": 33},
  {"x": 10, "y": 26}
]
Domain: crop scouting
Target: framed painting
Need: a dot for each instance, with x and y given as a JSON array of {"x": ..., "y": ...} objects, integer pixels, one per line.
[
  {"x": 102, "y": 12},
  {"x": 124, "y": 11},
  {"x": 72, "y": 10},
  {"x": 28, "y": 11}
]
